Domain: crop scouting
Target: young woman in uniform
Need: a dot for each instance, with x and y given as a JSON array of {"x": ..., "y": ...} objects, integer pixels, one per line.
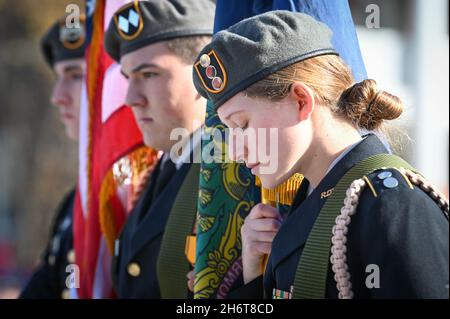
[{"x": 365, "y": 224}]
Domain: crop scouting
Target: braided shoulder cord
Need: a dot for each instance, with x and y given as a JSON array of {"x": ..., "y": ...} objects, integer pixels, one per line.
[
  {"x": 432, "y": 191},
  {"x": 339, "y": 239},
  {"x": 338, "y": 257}
]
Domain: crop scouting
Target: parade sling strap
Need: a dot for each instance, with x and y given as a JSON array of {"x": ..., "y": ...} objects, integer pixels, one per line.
[
  {"x": 311, "y": 274},
  {"x": 172, "y": 262}
]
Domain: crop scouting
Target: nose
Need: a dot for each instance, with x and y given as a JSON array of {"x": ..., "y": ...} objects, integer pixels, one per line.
[
  {"x": 134, "y": 97},
  {"x": 60, "y": 95},
  {"x": 237, "y": 148}
]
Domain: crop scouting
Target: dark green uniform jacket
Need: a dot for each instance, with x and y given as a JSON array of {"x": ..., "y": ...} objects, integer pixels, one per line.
[
  {"x": 49, "y": 279},
  {"x": 137, "y": 250}
]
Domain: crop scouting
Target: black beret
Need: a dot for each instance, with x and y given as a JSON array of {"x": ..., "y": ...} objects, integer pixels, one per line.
[
  {"x": 142, "y": 23},
  {"x": 64, "y": 43},
  {"x": 254, "y": 48}
]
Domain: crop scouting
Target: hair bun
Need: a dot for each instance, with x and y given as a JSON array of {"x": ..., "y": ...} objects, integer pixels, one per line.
[{"x": 367, "y": 107}]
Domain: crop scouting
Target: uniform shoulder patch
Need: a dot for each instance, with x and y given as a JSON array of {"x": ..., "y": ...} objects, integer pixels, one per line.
[
  {"x": 129, "y": 22},
  {"x": 385, "y": 179},
  {"x": 211, "y": 72}
]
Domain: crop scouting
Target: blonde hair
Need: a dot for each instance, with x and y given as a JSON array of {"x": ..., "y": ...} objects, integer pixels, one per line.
[{"x": 333, "y": 85}]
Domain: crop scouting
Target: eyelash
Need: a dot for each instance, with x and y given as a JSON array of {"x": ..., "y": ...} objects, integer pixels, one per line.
[
  {"x": 148, "y": 75},
  {"x": 77, "y": 76}
]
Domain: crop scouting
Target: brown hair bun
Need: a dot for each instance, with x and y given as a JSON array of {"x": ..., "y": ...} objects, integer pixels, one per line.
[{"x": 367, "y": 107}]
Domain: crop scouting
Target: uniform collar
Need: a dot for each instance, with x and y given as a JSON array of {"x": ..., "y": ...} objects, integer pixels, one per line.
[
  {"x": 336, "y": 160},
  {"x": 190, "y": 147},
  {"x": 342, "y": 155},
  {"x": 154, "y": 221},
  {"x": 305, "y": 210}
]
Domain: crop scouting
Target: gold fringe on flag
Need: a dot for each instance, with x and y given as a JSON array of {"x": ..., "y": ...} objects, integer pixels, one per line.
[
  {"x": 282, "y": 194},
  {"x": 286, "y": 191},
  {"x": 127, "y": 171}
]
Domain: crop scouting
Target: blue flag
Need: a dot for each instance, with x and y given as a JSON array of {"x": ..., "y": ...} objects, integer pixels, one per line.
[{"x": 336, "y": 14}]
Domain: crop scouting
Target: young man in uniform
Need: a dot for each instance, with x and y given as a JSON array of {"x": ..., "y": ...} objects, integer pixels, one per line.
[
  {"x": 63, "y": 49},
  {"x": 156, "y": 43}
]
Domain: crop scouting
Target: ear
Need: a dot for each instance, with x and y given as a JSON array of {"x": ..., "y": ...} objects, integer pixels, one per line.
[{"x": 303, "y": 97}]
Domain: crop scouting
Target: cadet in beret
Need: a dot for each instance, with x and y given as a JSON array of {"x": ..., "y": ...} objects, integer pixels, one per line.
[
  {"x": 156, "y": 42},
  {"x": 63, "y": 50},
  {"x": 365, "y": 224}
]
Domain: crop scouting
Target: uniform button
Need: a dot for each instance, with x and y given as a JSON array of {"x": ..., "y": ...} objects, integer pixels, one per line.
[
  {"x": 116, "y": 247},
  {"x": 51, "y": 260},
  {"x": 384, "y": 175},
  {"x": 65, "y": 294},
  {"x": 134, "y": 269},
  {"x": 71, "y": 257},
  {"x": 390, "y": 182}
]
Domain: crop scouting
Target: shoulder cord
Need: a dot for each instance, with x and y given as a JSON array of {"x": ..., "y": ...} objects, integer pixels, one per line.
[
  {"x": 435, "y": 194},
  {"x": 338, "y": 257}
]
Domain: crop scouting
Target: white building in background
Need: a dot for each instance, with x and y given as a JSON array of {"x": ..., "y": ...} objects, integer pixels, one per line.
[{"x": 408, "y": 55}]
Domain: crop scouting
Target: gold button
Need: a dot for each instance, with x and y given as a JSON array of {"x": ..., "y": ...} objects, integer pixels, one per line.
[
  {"x": 71, "y": 256},
  {"x": 65, "y": 294},
  {"x": 51, "y": 260},
  {"x": 134, "y": 269}
]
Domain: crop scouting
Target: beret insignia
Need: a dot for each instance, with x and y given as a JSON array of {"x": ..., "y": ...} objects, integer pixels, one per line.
[
  {"x": 71, "y": 38},
  {"x": 129, "y": 22},
  {"x": 211, "y": 72}
]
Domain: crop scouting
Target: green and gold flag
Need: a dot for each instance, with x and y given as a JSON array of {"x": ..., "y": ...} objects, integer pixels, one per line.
[{"x": 227, "y": 194}]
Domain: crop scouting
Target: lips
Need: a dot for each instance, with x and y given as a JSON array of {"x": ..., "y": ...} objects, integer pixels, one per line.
[
  {"x": 252, "y": 166},
  {"x": 145, "y": 120},
  {"x": 67, "y": 116}
]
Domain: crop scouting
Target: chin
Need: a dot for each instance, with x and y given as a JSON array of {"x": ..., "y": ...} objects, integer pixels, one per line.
[
  {"x": 270, "y": 181},
  {"x": 72, "y": 134},
  {"x": 150, "y": 142},
  {"x": 154, "y": 143}
]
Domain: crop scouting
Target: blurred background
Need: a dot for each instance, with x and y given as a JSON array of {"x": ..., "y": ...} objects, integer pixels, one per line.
[
  {"x": 405, "y": 45},
  {"x": 38, "y": 163}
]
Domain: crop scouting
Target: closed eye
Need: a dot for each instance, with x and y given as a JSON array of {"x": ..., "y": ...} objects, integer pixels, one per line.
[
  {"x": 244, "y": 127},
  {"x": 77, "y": 76},
  {"x": 148, "y": 75}
]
